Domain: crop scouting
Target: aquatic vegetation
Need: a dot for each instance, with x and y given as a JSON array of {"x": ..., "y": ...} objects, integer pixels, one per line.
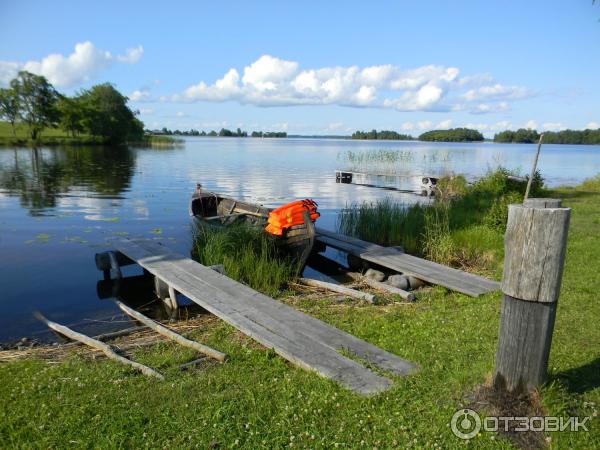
[
  {"x": 441, "y": 231},
  {"x": 384, "y": 222},
  {"x": 156, "y": 231},
  {"x": 247, "y": 254},
  {"x": 44, "y": 237},
  {"x": 391, "y": 162}
]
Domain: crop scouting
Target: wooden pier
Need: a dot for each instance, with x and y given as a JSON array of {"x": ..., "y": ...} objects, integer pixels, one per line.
[
  {"x": 301, "y": 339},
  {"x": 394, "y": 259}
]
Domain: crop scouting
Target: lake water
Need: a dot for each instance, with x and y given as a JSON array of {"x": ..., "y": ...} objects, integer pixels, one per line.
[{"x": 59, "y": 206}]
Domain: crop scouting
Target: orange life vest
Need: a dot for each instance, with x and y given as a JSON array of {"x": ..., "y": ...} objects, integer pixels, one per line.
[{"x": 291, "y": 214}]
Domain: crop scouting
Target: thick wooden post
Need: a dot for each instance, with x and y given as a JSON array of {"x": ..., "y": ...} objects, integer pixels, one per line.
[{"x": 535, "y": 246}]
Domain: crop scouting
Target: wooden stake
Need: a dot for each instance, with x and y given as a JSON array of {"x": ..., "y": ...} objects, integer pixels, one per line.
[
  {"x": 535, "y": 246},
  {"x": 161, "y": 329},
  {"x": 104, "y": 348},
  {"x": 534, "y": 167},
  {"x": 338, "y": 288}
]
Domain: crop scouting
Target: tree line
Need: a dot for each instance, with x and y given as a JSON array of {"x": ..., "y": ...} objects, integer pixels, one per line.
[
  {"x": 383, "y": 134},
  {"x": 224, "y": 132},
  {"x": 100, "y": 111},
  {"x": 528, "y": 136},
  {"x": 451, "y": 135}
]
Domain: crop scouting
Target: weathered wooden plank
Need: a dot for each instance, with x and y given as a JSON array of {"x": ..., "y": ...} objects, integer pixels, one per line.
[
  {"x": 399, "y": 261},
  {"x": 161, "y": 329},
  {"x": 339, "y": 288},
  {"x": 98, "y": 345},
  {"x": 382, "y": 286},
  {"x": 222, "y": 297},
  {"x": 358, "y": 243},
  {"x": 287, "y": 317}
]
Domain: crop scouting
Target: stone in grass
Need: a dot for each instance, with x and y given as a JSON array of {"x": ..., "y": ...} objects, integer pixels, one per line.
[
  {"x": 415, "y": 283},
  {"x": 398, "y": 281},
  {"x": 375, "y": 275}
]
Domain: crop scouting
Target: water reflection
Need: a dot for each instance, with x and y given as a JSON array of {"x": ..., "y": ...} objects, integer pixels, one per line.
[
  {"x": 39, "y": 177},
  {"x": 60, "y": 206}
]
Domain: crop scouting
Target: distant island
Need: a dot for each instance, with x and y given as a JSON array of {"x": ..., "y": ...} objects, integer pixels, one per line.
[
  {"x": 383, "y": 134},
  {"x": 451, "y": 135},
  {"x": 224, "y": 132},
  {"x": 529, "y": 136}
]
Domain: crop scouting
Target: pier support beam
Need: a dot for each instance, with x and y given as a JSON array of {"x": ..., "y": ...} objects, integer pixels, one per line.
[
  {"x": 166, "y": 293},
  {"x": 535, "y": 247}
]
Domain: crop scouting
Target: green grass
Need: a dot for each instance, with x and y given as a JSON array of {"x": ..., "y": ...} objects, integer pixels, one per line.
[
  {"x": 57, "y": 136},
  {"x": 247, "y": 254},
  {"x": 50, "y": 136},
  {"x": 257, "y": 400}
]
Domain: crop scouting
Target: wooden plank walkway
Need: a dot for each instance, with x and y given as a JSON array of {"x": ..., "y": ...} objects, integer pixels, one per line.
[
  {"x": 394, "y": 259},
  {"x": 301, "y": 339}
]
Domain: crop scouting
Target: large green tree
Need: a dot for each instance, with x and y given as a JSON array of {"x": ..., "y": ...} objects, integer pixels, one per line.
[
  {"x": 9, "y": 107},
  {"x": 37, "y": 100},
  {"x": 72, "y": 113},
  {"x": 107, "y": 114}
]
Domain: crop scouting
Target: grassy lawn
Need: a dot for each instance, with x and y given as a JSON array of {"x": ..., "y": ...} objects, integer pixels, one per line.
[
  {"x": 258, "y": 400},
  {"x": 57, "y": 136},
  {"x": 50, "y": 136}
]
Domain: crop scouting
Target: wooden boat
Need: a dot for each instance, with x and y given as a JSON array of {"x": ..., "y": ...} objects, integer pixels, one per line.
[{"x": 216, "y": 210}]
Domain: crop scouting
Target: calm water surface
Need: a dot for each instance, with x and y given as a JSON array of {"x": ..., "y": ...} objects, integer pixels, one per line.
[{"x": 59, "y": 206}]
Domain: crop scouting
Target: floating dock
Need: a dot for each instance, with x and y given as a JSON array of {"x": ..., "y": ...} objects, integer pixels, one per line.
[
  {"x": 395, "y": 259},
  {"x": 417, "y": 182},
  {"x": 301, "y": 339}
]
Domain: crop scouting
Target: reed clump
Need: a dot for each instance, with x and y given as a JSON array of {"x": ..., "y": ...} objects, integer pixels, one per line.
[
  {"x": 248, "y": 255},
  {"x": 463, "y": 227}
]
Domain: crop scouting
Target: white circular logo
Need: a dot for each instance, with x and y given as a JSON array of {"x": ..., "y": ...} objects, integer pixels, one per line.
[{"x": 465, "y": 423}]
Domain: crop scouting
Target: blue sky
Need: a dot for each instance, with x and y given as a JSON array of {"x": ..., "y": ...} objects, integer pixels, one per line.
[{"x": 316, "y": 68}]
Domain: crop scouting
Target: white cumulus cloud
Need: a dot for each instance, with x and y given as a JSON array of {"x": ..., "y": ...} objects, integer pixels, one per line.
[
  {"x": 139, "y": 95},
  {"x": 83, "y": 64},
  {"x": 593, "y": 125},
  {"x": 553, "y": 126},
  {"x": 444, "y": 124},
  {"x": 272, "y": 81}
]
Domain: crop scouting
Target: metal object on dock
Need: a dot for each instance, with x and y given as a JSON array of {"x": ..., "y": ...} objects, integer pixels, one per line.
[{"x": 343, "y": 177}]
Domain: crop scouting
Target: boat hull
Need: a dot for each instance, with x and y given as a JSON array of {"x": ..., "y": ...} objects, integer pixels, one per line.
[{"x": 218, "y": 211}]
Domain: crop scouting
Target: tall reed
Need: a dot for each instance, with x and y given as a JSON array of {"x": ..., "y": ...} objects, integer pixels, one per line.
[
  {"x": 248, "y": 255},
  {"x": 444, "y": 230}
]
